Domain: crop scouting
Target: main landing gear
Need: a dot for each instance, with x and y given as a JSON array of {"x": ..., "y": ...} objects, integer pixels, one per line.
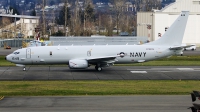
[
  {"x": 24, "y": 69},
  {"x": 98, "y": 68}
]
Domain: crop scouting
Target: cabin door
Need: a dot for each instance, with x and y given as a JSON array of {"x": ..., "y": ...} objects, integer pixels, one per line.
[{"x": 28, "y": 53}]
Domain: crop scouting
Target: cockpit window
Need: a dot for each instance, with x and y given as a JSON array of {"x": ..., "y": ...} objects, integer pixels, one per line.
[{"x": 16, "y": 52}]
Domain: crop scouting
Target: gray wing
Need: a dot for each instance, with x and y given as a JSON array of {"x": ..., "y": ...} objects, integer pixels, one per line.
[{"x": 103, "y": 60}]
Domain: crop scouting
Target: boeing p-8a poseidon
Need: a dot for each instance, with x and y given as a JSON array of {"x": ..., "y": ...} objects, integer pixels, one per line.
[{"x": 81, "y": 57}]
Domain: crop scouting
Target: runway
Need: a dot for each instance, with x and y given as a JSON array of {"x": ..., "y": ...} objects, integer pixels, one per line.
[
  {"x": 110, "y": 73},
  {"x": 157, "y": 103}
]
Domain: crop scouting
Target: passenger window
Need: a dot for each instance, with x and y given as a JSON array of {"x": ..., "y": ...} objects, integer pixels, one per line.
[{"x": 50, "y": 53}]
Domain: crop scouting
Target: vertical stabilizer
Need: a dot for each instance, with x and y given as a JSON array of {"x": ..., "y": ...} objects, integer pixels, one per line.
[{"x": 174, "y": 35}]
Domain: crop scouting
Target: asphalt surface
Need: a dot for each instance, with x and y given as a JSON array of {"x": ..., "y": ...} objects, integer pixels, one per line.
[
  {"x": 110, "y": 73},
  {"x": 97, "y": 104},
  {"x": 5, "y": 52}
]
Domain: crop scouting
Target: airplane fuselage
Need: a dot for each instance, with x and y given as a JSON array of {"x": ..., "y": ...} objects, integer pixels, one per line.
[{"x": 62, "y": 54}]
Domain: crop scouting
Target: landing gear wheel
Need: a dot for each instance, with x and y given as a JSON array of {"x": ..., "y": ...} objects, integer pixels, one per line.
[
  {"x": 24, "y": 69},
  {"x": 98, "y": 68}
]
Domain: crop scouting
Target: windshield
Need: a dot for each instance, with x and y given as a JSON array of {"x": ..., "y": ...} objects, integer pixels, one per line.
[{"x": 16, "y": 52}]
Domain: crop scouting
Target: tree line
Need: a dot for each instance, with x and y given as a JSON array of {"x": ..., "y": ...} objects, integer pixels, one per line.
[{"x": 86, "y": 20}]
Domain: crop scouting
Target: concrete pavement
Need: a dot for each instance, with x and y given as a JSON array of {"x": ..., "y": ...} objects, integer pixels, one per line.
[
  {"x": 156, "y": 103},
  {"x": 110, "y": 73}
]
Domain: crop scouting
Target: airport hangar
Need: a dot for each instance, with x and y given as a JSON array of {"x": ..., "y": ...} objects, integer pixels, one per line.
[{"x": 154, "y": 24}]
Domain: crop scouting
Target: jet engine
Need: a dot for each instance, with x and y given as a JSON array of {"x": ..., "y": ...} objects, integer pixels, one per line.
[{"x": 78, "y": 64}]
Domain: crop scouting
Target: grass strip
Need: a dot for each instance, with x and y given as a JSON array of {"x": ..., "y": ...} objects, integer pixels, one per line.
[{"x": 125, "y": 87}]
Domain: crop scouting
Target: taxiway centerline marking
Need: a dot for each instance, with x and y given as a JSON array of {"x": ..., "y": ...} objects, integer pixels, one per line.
[
  {"x": 138, "y": 71},
  {"x": 185, "y": 69}
]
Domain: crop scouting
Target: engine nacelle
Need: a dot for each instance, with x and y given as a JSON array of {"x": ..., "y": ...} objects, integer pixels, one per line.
[{"x": 78, "y": 64}]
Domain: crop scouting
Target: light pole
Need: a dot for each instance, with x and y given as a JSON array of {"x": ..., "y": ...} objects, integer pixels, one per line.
[
  {"x": 152, "y": 34},
  {"x": 44, "y": 17},
  {"x": 15, "y": 25},
  {"x": 15, "y": 31},
  {"x": 66, "y": 6}
]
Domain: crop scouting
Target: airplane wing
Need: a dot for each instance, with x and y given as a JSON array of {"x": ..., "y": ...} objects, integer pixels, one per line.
[
  {"x": 103, "y": 59},
  {"x": 180, "y": 47}
]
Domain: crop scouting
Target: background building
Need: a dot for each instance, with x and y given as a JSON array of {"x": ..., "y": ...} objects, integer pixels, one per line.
[
  {"x": 25, "y": 25},
  {"x": 154, "y": 24}
]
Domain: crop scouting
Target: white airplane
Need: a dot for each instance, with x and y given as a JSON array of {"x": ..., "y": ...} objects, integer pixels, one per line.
[{"x": 81, "y": 57}]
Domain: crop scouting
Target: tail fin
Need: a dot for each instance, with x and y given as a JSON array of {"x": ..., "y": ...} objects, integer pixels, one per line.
[{"x": 174, "y": 35}]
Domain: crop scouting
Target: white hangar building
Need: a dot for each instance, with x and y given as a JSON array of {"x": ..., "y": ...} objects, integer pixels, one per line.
[{"x": 153, "y": 24}]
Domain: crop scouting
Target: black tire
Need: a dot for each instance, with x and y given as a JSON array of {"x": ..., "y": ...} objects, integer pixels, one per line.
[{"x": 97, "y": 68}]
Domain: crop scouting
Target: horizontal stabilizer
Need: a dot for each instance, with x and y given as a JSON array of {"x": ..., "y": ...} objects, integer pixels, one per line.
[{"x": 180, "y": 47}]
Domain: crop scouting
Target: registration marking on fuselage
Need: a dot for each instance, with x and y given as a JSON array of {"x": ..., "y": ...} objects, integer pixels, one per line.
[{"x": 138, "y": 71}]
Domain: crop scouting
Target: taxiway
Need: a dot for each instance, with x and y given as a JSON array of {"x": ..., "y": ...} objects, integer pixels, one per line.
[
  {"x": 110, "y": 73},
  {"x": 157, "y": 103}
]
